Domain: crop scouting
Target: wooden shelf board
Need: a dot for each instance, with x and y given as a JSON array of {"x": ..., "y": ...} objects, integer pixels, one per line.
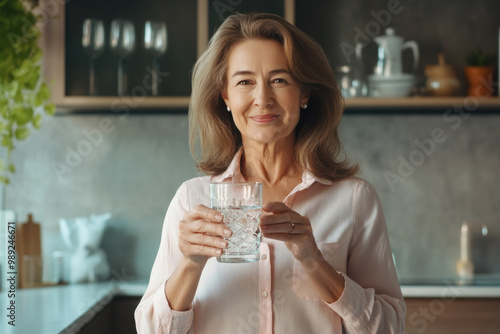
[
  {"x": 115, "y": 103},
  {"x": 118, "y": 103},
  {"x": 422, "y": 102}
]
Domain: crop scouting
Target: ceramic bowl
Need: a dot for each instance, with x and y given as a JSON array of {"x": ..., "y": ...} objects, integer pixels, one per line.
[{"x": 393, "y": 86}]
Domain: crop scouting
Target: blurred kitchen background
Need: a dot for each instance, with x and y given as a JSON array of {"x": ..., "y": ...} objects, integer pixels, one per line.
[{"x": 135, "y": 167}]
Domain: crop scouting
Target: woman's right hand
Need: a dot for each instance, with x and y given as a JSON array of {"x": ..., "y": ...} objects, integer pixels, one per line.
[{"x": 201, "y": 234}]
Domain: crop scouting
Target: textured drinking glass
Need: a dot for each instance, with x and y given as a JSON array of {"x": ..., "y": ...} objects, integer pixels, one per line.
[{"x": 241, "y": 205}]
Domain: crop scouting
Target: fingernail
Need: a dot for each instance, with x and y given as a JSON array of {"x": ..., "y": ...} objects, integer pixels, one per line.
[
  {"x": 218, "y": 252},
  {"x": 223, "y": 244},
  {"x": 218, "y": 216},
  {"x": 227, "y": 232}
]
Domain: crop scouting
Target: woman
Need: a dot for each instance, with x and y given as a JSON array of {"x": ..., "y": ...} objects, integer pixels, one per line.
[{"x": 265, "y": 107}]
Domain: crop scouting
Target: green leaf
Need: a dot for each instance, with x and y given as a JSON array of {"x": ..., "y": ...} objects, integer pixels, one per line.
[
  {"x": 37, "y": 56},
  {"x": 37, "y": 121},
  {"x": 23, "y": 115},
  {"x": 44, "y": 91},
  {"x": 32, "y": 78},
  {"x": 22, "y": 133},
  {"x": 19, "y": 98},
  {"x": 14, "y": 86},
  {"x": 6, "y": 142},
  {"x": 3, "y": 103},
  {"x": 23, "y": 70},
  {"x": 5, "y": 180},
  {"x": 50, "y": 109},
  {"x": 36, "y": 100},
  {"x": 12, "y": 168}
]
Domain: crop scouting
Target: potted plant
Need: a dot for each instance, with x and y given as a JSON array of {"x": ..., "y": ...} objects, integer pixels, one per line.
[
  {"x": 479, "y": 73},
  {"x": 24, "y": 96}
]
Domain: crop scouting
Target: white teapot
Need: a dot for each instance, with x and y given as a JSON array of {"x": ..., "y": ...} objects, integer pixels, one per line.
[{"x": 390, "y": 47}]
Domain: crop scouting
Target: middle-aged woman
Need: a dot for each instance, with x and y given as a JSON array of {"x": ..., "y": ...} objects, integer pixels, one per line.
[{"x": 265, "y": 107}]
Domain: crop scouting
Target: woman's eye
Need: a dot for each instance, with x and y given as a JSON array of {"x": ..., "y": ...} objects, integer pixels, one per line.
[
  {"x": 244, "y": 82},
  {"x": 279, "y": 81}
]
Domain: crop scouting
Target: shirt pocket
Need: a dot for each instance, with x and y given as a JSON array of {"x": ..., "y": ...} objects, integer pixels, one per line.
[{"x": 301, "y": 284}]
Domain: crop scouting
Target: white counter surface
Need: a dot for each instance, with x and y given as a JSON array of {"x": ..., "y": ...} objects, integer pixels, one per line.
[
  {"x": 450, "y": 291},
  {"x": 60, "y": 309},
  {"x": 66, "y": 309}
]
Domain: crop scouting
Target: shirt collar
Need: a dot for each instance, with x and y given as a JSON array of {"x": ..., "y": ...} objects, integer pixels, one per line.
[{"x": 234, "y": 172}]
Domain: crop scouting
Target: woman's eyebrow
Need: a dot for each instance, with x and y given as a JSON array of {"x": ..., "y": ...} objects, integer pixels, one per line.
[
  {"x": 273, "y": 72},
  {"x": 280, "y": 71},
  {"x": 237, "y": 73}
]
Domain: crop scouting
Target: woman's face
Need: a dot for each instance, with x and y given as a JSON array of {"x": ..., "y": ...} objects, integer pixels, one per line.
[{"x": 264, "y": 99}]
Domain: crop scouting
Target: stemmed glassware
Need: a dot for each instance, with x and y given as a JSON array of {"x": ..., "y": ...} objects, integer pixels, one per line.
[
  {"x": 122, "y": 42},
  {"x": 155, "y": 41},
  {"x": 93, "y": 42}
]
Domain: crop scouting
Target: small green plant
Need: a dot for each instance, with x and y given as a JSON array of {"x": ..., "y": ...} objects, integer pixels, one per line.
[
  {"x": 24, "y": 96},
  {"x": 479, "y": 58}
]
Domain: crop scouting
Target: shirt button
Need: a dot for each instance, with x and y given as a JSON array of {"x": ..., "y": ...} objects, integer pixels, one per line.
[
  {"x": 263, "y": 256},
  {"x": 264, "y": 294}
]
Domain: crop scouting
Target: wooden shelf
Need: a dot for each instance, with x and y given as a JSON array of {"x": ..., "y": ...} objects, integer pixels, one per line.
[
  {"x": 423, "y": 102},
  {"x": 124, "y": 103},
  {"x": 114, "y": 104}
]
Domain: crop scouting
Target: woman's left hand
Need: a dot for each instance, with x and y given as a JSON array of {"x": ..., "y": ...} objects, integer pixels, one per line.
[{"x": 287, "y": 225}]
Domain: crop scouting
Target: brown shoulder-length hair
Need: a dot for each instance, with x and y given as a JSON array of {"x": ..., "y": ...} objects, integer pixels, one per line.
[{"x": 214, "y": 138}]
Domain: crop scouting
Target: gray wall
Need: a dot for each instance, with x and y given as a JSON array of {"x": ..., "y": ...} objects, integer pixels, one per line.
[
  {"x": 133, "y": 172},
  {"x": 136, "y": 168},
  {"x": 454, "y": 179}
]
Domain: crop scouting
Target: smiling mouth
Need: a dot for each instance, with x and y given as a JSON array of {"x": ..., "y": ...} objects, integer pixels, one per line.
[{"x": 264, "y": 118}]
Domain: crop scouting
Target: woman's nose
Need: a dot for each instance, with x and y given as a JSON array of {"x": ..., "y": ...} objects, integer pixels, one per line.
[{"x": 264, "y": 95}]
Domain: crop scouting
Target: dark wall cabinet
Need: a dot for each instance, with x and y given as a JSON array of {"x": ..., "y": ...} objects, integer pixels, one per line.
[
  {"x": 189, "y": 23},
  {"x": 437, "y": 27}
]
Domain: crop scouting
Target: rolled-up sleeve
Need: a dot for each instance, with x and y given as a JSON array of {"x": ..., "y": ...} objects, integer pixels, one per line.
[
  {"x": 153, "y": 314},
  {"x": 372, "y": 301}
]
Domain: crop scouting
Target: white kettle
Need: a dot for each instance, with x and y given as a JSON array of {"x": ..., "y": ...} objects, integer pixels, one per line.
[{"x": 390, "y": 47}]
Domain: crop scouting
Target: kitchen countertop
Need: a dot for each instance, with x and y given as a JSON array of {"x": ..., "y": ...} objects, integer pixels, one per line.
[
  {"x": 480, "y": 286},
  {"x": 450, "y": 291},
  {"x": 61, "y": 309},
  {"x": 68, "y": 308}
]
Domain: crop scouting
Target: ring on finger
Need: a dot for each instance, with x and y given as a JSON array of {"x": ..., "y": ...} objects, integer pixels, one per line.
[{"x": 292, "y": 225}]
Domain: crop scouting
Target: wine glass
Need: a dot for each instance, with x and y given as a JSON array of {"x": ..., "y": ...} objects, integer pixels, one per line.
[
  {"x": 155, "y": 41},
  {"x": 122, "y": 42},
  {"x": 93, "y": 43}
]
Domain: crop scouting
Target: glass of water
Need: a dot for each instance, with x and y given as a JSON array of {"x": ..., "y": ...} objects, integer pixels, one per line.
[{"x": 241, "y": 205}]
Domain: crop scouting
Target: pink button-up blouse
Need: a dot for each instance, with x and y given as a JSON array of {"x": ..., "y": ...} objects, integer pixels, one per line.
[{"x": 274, "y": 295}]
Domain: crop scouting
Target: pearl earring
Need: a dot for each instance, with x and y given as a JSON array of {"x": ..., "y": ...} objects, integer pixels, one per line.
[
  {"x": 305, "y": 106},
  {"x": 228, "y": 109}
]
